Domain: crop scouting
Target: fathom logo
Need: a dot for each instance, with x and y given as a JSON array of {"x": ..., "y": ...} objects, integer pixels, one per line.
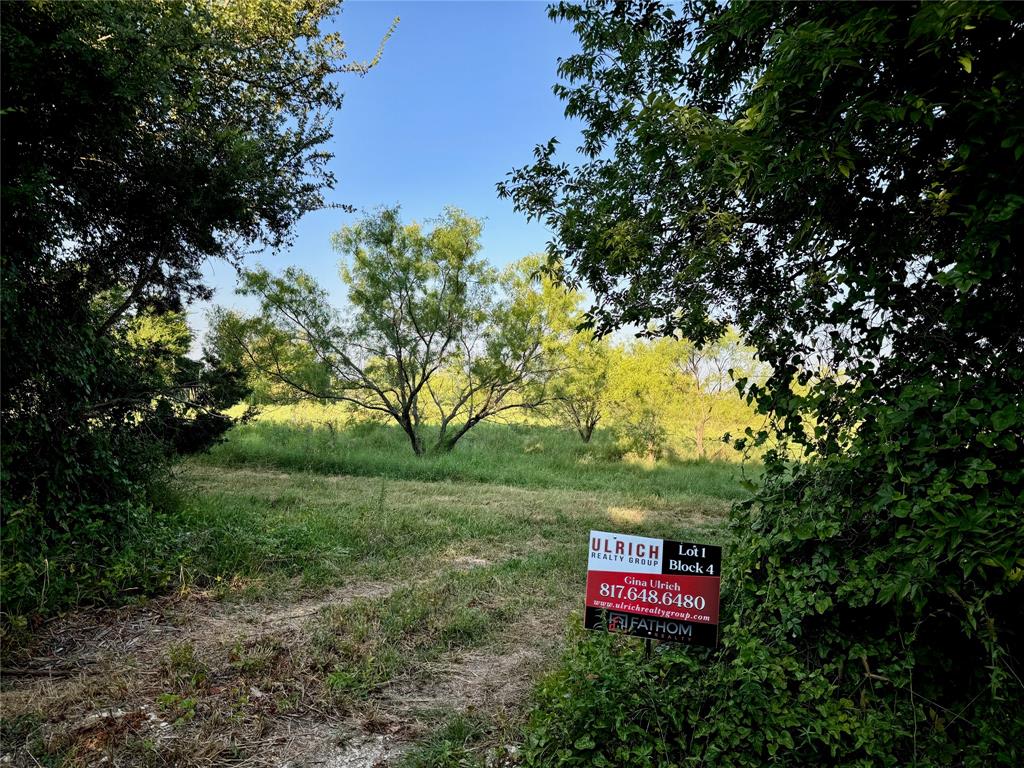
[{"x": 652, "y": 627}]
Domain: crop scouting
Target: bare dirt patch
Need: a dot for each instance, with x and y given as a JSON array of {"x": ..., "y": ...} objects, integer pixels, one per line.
[
  {"x": 72, "y": 644},
  {"x": 472, "y": 680},
  {"x": 492, "y": 679},
  {"x": 335, "y": 746},
  {"x": 186, "y": 674}
]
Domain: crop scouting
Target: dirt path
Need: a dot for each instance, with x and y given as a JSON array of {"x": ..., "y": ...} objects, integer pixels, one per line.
[
  {"x": 73, "y": 643},
  {"x": 494, "y": 678},
  {"x": 201, "y": 682}
]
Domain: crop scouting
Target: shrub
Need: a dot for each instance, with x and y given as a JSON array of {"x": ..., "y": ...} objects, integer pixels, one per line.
[
  {"x": 841, "y": 182},
  {"x": 133, "y": 153}
]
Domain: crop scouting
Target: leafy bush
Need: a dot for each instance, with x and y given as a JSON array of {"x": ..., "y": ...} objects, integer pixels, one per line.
[
  {"x": 139, "y": 140},
  {"x": 84, "y": 506},
  {"x": 642, "y": 434},
  {"x": 842, "y": 182}
]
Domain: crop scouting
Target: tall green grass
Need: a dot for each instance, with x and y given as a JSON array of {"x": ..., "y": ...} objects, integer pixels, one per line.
[{"x": 506, "y": 454}]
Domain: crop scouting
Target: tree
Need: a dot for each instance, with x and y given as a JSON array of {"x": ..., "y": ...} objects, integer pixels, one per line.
[
  {"x": 708, "y": 374},
  {"x": 428, "y": 325},
  {"x": 843, "y": 184},
  {"x": 580, "y": 361},
  {"x": 641, "y": 397},
  {"x": 579, "y": 390},
  {"x": 139, "y": 140}
]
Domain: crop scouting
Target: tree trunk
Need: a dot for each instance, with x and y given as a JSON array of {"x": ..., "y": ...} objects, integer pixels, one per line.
[
  {"x": 414, "y": 438},
  {"x": 445, "y": 444}
]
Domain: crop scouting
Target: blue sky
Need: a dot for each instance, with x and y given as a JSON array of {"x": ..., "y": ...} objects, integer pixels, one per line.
[{"x": 460, "y": 97}]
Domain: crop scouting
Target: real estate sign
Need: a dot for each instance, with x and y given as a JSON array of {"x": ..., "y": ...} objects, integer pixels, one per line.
[{"x": 653, "y": 588}]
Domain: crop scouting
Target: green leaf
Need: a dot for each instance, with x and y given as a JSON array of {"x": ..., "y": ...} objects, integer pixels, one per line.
[{"x": 1004, "y": 418}]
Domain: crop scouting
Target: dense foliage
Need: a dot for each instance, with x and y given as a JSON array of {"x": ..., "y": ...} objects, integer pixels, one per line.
[
  {"x": 843, "y": 183},
  {"x": 138, "y": 140}
]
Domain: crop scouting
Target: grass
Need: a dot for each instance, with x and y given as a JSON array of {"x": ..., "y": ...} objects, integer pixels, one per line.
[
  {"x": 421, "y": 587},
  {"x": 451, "y": 745},
  {"x": 251, "y": 526},
  {"x": 522, "y": 455}
]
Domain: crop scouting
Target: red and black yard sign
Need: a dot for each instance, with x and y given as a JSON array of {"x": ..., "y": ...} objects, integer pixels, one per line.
[{"x": 653, "y": 588}]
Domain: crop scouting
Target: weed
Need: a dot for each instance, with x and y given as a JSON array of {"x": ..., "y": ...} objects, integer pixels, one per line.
[
  {"x": 184, "y": 670},
  {"x": 177, "y": 708},
  {"x": 252, "y": 659},
  {"x": 451, "y": 746},
  {"x": 22, "y": 736}
]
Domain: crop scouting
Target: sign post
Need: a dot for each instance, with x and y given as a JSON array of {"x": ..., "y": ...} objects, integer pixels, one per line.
[{"x": 657, "y": 589}]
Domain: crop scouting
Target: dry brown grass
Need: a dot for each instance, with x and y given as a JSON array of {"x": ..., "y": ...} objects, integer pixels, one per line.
[{"x": 193, "y": 681}]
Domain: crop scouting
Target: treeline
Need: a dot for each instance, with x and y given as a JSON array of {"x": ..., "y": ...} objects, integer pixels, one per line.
[
  {"x": 637, "y": 392},
  {"x": 432, "y": 338},
  {"x": 658, "y": 397}
]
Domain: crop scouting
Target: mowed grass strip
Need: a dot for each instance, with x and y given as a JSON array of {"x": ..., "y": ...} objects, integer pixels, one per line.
[
  {"x": 523, "y": 455},
  {"x": 262, "y": 528}
]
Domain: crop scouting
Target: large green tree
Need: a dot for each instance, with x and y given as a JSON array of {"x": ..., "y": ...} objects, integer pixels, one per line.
[
  {"x": 431, "y": 336},
  {"x": 139, "y": 140},
  {"x": 641, "y": 397},
  {"x": 843, "y": 183}
]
